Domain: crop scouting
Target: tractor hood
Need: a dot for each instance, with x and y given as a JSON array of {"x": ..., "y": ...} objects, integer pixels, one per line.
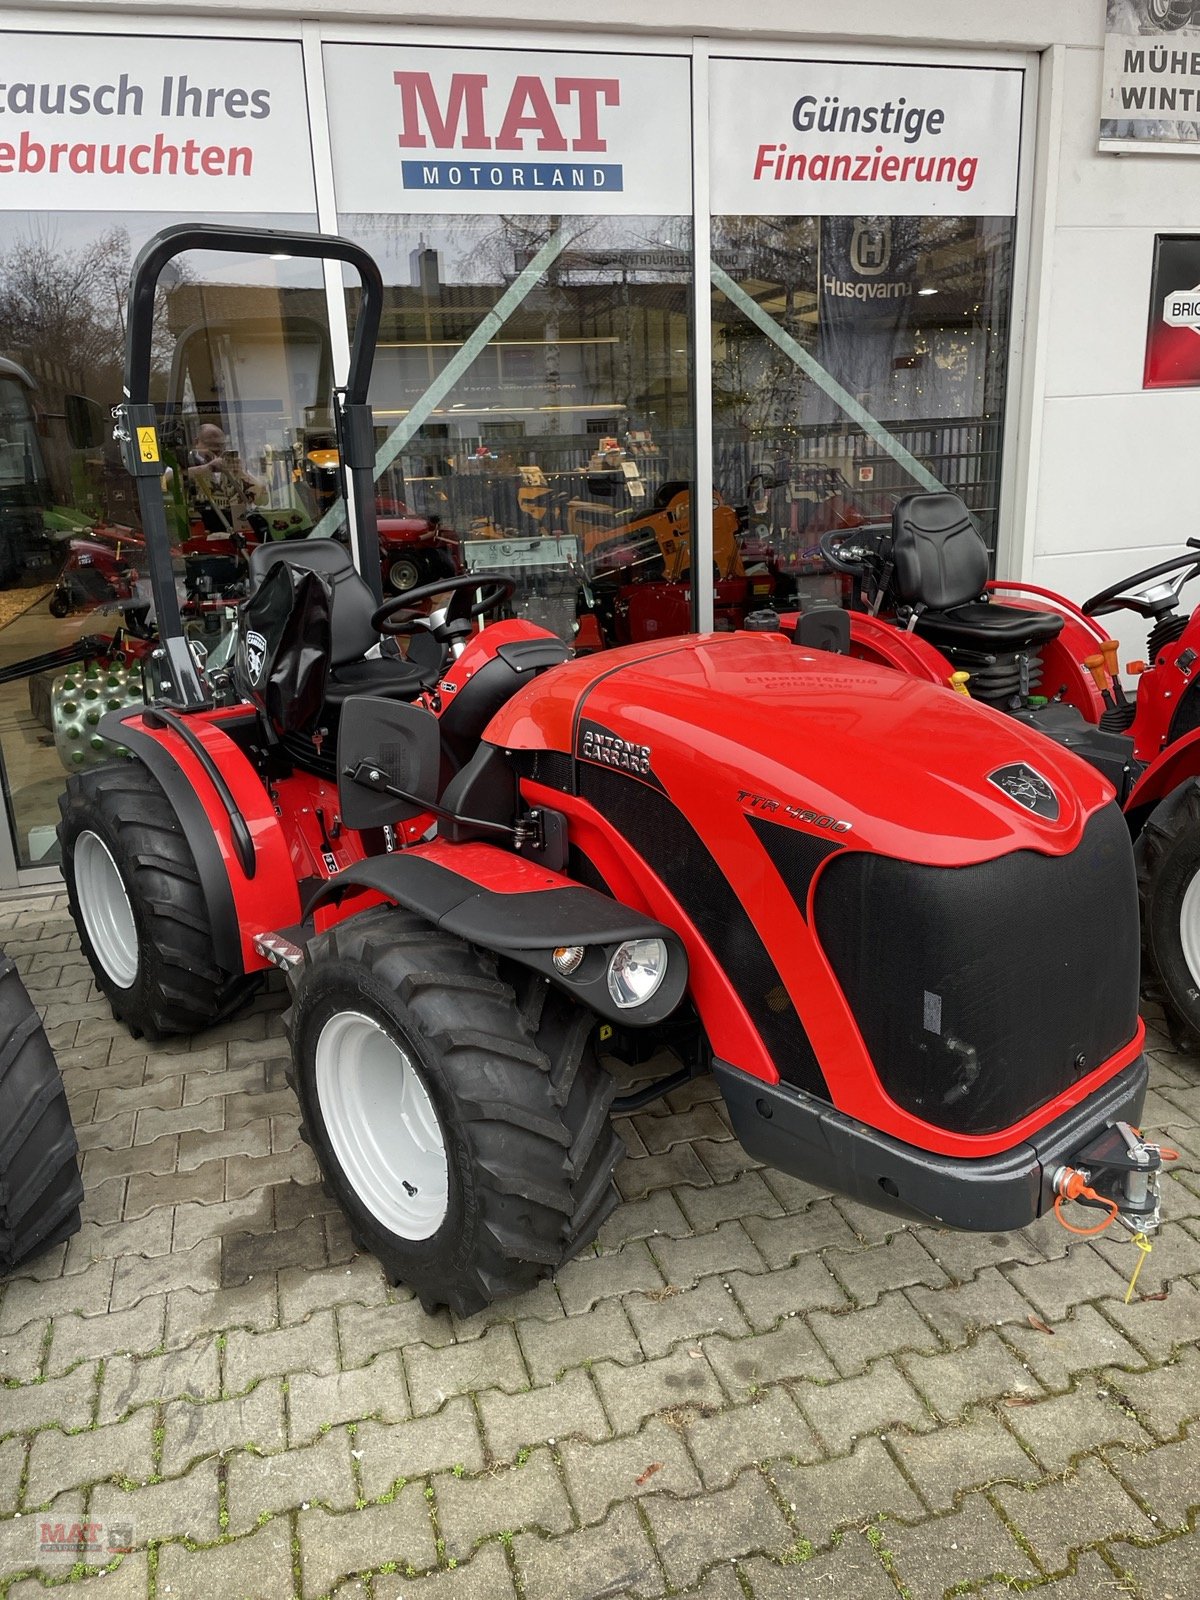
[{"x": 829, "y": 746}]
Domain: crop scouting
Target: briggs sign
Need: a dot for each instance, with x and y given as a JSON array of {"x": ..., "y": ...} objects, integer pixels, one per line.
[
  {"x": 1172, "y": 342},
  {"x": 477, "y": 130}
]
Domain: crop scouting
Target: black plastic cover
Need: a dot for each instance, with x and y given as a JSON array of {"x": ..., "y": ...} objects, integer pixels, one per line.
[
  {"x": 394, "y": 738},
  {"x": 800, "y": 1134},
  {"x": 982, "y": 992},
  {"x": 824, "y": 628},
  {"x": 283, "y": 651},
  {"x": 1110, "y": 753}
]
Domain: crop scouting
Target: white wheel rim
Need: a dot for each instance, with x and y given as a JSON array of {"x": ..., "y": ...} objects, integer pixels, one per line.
[
  {"x": 1189, "y": 928},
  {"x": 382, "y": 1125},
  {"x": 403, "y": 575},
  {"x": 105, "y": 908}
]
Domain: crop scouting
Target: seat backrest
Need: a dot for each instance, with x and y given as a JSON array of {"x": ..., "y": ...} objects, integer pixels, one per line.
[
  {"x": 353, "y": 604},
  {"x": 940, "y": 560},
  {"x": 281, "y": 663}
]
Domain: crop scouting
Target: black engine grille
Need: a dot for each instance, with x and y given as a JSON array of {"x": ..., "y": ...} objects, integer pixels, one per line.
[{"x": 981, "y": 992}]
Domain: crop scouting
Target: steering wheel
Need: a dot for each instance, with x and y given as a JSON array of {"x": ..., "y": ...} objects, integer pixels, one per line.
[
  {"x": 400, "y": 616},
  {"x": 844, "y": 549},
  {"x": 1158, "y": 597}
]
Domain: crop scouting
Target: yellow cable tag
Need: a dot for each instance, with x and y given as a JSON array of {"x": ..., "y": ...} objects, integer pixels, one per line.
[{"x": 1144, "y": 1247}]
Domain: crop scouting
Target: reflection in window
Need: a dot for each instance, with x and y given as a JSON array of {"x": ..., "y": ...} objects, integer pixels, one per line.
[
  {"x": 72, "y": 562},
  {"x": 533, "y": 404},
  {"x": 905, "y": 316}
]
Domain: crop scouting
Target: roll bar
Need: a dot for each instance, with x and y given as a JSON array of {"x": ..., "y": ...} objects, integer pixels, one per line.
[{"x": 175, "y": 678}]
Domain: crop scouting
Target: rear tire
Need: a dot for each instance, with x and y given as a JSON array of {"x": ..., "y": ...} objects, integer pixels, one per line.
[
  {"x": 1167, "y": 853},
  {"x": 137, "y": 901},
  {"x": 464, "y": 1131},
  {"x": 40, "y": 1189}
]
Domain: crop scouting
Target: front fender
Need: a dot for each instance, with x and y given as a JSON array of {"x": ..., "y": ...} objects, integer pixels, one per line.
[
  {"x": 518, "y": 909},
  {"x": 1177, "y": 764}
]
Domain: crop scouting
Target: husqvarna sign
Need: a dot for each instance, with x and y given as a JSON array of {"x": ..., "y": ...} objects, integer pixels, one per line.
[{"x": 442, "y": 130}]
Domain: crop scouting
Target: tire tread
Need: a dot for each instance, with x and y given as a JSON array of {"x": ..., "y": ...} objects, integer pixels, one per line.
[
  {"x": 187, "y": 989},
  {"x": 40, "y": 1187},
  {"x": 528, "y": 1090}
]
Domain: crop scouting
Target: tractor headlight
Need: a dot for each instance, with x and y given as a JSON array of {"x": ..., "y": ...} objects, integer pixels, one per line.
[{"x": 635, "y": 972}]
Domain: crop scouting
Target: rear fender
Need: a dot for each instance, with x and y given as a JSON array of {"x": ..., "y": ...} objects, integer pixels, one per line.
[
  {"x": 1178, "y": 764},
  {"x": 241, "y": 854},
  {"x": 1063, "y": 671},
  {"x": 883, "y": 644}
]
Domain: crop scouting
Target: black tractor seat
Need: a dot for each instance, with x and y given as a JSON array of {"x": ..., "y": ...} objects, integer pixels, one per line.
[
  {"x": 984, "y": 625},
  {"x": 940, "y": 570},
  {"x": 351, "y": 670}
]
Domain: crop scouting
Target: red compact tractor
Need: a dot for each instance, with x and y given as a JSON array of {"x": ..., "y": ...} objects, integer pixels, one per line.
[
  {"x": 853, "y": 897},
  {"x": 921, "y": 602}
]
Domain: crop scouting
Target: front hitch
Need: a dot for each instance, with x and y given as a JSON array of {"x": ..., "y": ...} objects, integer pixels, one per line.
[{"x": 1117, "y": 1172}]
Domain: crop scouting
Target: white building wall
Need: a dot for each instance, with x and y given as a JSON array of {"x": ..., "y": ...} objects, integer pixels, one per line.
[
  {"x": 1118, "y": 485},
  {"x": 1104, "y": 478}
]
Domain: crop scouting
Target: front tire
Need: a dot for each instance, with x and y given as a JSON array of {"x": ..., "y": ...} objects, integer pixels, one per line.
[
  {"x": 40, "y": 1190},
  {"x": 135, "y": 894},
  {"x": 1167, "y": 853},
  {"x": 465, "y": 1132}
]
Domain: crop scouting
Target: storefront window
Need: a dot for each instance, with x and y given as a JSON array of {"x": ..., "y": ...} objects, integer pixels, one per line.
[
  {"x": 925, "y": 363},
  {"x": 862, "y": 257},
  {"x": 241, "y": 369},
  {"x": 532, "y": 400},
  {"x": 533, "y": 391}
]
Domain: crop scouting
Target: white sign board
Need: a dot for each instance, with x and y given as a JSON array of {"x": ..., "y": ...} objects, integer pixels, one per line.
[
  {"x": 1151, "y": 93},
  {"x": 528, "y": 132},
  {"x": 840, "y": 138},
  {"x": 104, "y": 123}
]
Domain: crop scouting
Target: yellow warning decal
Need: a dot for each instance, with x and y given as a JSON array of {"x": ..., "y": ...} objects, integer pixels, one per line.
[{"x": 148, "y": 444}]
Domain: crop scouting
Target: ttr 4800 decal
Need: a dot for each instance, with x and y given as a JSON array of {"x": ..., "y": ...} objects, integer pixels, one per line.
[{"x": 815, "y": 819}]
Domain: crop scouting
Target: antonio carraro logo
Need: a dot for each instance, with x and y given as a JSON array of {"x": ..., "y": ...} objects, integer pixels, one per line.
[
  {"x": 604, "y": 749},
  {"x": 1028, "y": 788},
  {"x": 256, "y": 655}
]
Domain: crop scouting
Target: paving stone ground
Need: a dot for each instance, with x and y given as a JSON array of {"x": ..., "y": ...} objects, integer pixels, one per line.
[{"x": 750, "y": 1388}]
